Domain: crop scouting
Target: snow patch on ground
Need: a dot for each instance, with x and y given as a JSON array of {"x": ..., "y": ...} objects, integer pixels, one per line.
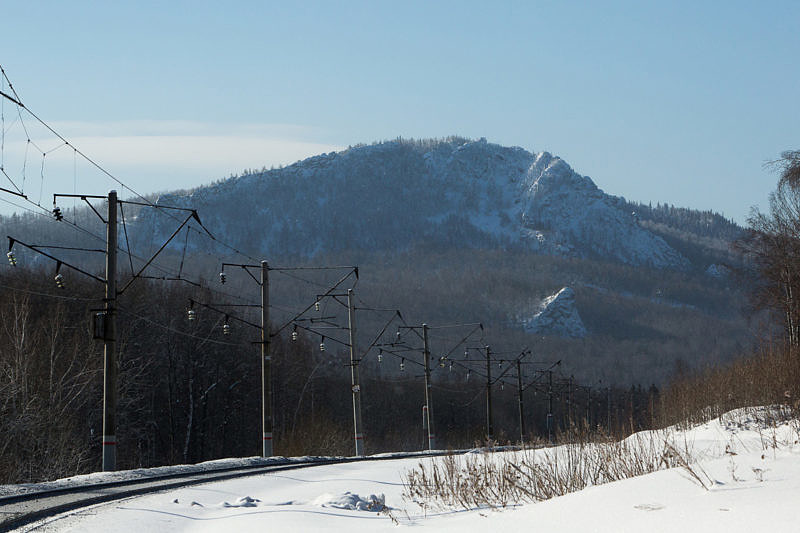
[
  {"x": 244, "y": 501},
  {"x": 747, "y": 478},
  {"x": 352, "y": 502}
]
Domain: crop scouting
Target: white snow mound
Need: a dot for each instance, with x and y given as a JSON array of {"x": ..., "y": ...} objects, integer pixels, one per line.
[
  {"x": 352, "y": 502},
  {"x": 244, "y": 501}
]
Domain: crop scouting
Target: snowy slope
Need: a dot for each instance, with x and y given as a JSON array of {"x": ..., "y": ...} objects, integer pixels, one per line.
[
  {"x": 557, "y": 315},
  {"x": 748, "y": 479},
  {"x": 393, "y": 195},
  {"x": 570, "y": 210}
]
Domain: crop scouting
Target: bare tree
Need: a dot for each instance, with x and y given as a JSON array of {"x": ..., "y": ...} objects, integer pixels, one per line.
[
  {"x": 772, "y": 243},
  {"x": 46, "y": 377}
]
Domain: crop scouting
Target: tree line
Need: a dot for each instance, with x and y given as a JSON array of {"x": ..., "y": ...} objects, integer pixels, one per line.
[{"x": 189, "y": 393}]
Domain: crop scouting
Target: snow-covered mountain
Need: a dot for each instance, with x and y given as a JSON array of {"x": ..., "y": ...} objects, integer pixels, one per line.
[
  {"x": 398, "y": 194},
  {"x": 445, "y": 231},
  {"x": 557, "y": 315}
]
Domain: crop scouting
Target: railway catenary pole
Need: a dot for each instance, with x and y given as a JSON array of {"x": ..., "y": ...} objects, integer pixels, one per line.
[
  {"x": 106, "y": 321},
  {"x": 521, "y": 410},
  {"x": 354, "y": 378},
  {"x": 489, "y": 425},
  {"x": 266, "y": 368},
  {"x": 426, "y": 352},
  {"x": 550, "y": 406},
  {"x": 109, "y": 442},
  {"x": 570, "y": 401},
  {"x": 588, "y": 407}
]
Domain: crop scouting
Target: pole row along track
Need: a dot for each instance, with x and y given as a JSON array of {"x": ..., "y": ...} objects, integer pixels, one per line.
[{"x": 18, "y": 510}]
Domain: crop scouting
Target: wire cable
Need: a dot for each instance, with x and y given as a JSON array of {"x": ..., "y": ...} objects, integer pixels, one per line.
[{"x": 177, "y": 331}]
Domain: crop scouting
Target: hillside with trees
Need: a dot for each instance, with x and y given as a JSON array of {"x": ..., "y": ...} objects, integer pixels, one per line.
[{"x": 502, "y": 231}]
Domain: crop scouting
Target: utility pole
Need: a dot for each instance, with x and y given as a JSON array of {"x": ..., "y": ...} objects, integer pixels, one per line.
[
  {"x": 266, "y": 370},
  {"x": 426, "y": 352},
  {"x": 521, "y": 411},
  {"x": 489, "y": 426},
  {"x": 109, "y": 341},
  {"x": 355, "y": 385},
  {"x": 569, "y": 401},
  {"x": 550, "y": 406},
  {"x": 427, "y": 408},
  {"x": 105, "y": 322},
  {"x": 267, "y": 444},
  {"x": 588, "y": 408}
]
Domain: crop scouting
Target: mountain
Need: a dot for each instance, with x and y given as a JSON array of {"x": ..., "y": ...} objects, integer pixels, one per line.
[
  {"x": 457, "y": 231},
  {"x": 398, "y": 194}
]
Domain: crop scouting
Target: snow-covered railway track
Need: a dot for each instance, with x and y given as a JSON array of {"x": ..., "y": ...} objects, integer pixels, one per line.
[{"x": 21, "y": 509}]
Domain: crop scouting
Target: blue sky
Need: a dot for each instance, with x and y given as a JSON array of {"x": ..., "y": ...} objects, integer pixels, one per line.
[{"x": 678, "y": 102}]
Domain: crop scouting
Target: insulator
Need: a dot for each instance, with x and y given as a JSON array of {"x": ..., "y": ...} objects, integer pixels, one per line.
[
  {"x": 294, "y": 335},
  {"x": 398, "y": 334},
  {"x": 502, "y": 386},
  {"x": 57, "y": 213},
  {"x": 322, "y": 346},
  {"x": 451, "y": 367},
  {"x": 316, "y": 306},
  {"x": 402, "y": 365},
  {"x": 380, "y": 357},
  {"x": 441, "y": 362},
  {"x": 222, "y": 277},
  {"x": 12, "y": 259},
  {"x": 191, "y": 314},
  {"x": 469, "y": 372},
  {"x": 59, "y": 281},
  {"x": 466, "y": 354},
  {"x": 226, "y": 329}
]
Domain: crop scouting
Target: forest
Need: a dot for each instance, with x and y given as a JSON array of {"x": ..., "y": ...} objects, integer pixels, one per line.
[{"x": 190, "y": 393}]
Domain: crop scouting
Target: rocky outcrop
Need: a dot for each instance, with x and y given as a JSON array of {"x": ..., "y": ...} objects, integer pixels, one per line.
[
  {"x": 565, "y": 210},
  {"x": 557, "y": 315}
]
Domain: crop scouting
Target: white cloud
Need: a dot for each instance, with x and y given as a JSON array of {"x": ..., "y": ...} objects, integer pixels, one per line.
[
  {"x": 153, "y": 155},
  {"x": 202, "y": 153},
  {"x": 145, "y": 127},
  {"x": 194, "y": 146}
]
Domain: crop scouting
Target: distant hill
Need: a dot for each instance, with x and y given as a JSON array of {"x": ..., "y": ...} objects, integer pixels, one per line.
[
  {"x": 460, "y": 230},
  {"x": 453, "y": 192}
]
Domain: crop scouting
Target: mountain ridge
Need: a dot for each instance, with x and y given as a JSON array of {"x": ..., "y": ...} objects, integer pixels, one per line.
[{"x": 454, "y": 192}]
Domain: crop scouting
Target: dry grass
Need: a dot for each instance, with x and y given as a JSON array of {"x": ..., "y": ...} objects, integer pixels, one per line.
[
  {"x": 318, "y": 436},
  {"x": 769, "y": 377},
  {"x": 501, "y": 479},
  {"x": 497, "y": 480}
]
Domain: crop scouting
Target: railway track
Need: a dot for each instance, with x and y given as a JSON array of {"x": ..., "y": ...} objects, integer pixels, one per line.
[{"x": 22, "y": 509}]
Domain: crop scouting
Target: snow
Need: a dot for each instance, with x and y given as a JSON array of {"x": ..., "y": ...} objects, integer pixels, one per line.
[
  {"x": 718, "y": 271},
  {"x": 451, "y": 192},
  {"x": 352, "y": 502},
  {"x": 746, "y": 478},
  {"x": 143, "y": 473},
  {"x": 569, "y": 208},
  {"x": 557, "y": 315}
]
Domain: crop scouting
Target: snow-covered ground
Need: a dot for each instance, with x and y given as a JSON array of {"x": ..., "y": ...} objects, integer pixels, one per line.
[{"x": 746, "y": 478}]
